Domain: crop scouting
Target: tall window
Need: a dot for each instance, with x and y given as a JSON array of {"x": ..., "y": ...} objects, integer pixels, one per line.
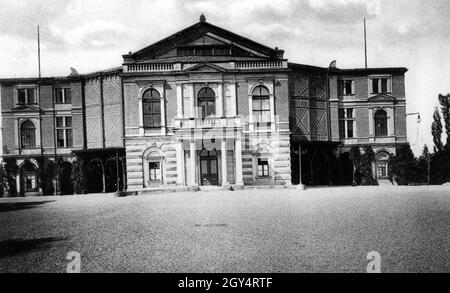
[
  {"x": 381, "y": 123},
  {"x": 206, "y": 102},
  {"x": 263, "y": 167},
  {"x": 346, "y": 123},
  {"x": 261, "y": 106},
  {"x": 151, "y": 103},
  {"x": 154, "y": 169},
  {"x": 64, "y": 132},
  {"x": 380, "y": 86},
  {"x": 63, "y": 96},
  {"x": 346, "y": 87},
  {"x": 26, "y": 96},
  {"x": 27, "y": 135}
]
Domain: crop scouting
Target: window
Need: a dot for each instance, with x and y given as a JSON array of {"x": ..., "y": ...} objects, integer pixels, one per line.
[
  {"x": 263, "y": 167},
  {"x": 206, "y": 50},
  {"x": 380, "y": 86},
  {"x": 206, "y": 102},
  {"x": 27, "y": 135},
  {"x": 261, "y": 106},
  {"x": 382, "y": 170},
  {"x": 26, "y": 97},
  {"x": 346, "y": 87},
  {"x": 380, "y": 123},
  {"x": 151, "y": 104},
  {"x": 63, "y": 96},
  {"x": 346, "y": 123},
  {"x": 154, "y": 171},
  {"x": 64, "y": 132}
]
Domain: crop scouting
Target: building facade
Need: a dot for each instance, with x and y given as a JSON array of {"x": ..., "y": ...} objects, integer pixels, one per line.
[{"x": 202, "y": 107}]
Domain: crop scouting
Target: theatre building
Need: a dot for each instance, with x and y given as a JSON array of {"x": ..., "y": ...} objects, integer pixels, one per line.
[{"x": 202, "y": 107}]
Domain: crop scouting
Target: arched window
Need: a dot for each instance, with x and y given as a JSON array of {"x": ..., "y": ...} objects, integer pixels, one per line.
[
  {"x": 206, "y": 100},
  {"x": 381, "y": 123},
  {"x": 261, "y": 106},
  {"x": 151, "y": 104},
  {"x": 27, "y": 135},
  {"x": 29, "y": 177}
]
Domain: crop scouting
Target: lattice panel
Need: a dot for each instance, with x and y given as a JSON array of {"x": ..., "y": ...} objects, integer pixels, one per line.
[
  {"x": 318, "y": 122},
  {"x": 300, "y": 121},
  {"x": 318, "y": 88},
  {"x": 298, "y": 86},
  {"x": 92, "y": 90},
  {"x": 111, "y": 91}
]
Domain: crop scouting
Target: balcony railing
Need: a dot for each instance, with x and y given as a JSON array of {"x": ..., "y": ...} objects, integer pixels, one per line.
[
  {"x": 149, "y": 67},
  {"x": 208, "y": 122},
  {"x": 241, "y": 65},
  {"x": 259, "y": 64}
]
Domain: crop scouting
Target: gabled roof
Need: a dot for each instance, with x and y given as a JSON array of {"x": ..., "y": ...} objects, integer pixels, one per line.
[
  {"x": 205, "y": 33},
  {"x": 382, "y": 98}
]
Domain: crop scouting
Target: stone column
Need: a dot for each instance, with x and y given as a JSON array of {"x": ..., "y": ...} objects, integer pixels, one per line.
[
  {"x": 179, "y": 100},
  {"x": 141, "y": 117},
  {"x": 272, "y": 112},
  {"x": 180, "y": 164},
  {"x": 224, "y": 162},
  {"x": 163, "y": 112},
  {"x": 220, "y": 101},
  {"x": 238, "y": 150},
  {"x": 233, "y": 109},
  {"x": 193, "y": 150},
  {"x": 192, "y": 94}
]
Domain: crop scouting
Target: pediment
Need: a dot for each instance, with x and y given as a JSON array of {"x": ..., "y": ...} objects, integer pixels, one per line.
[
  {"x": 382, "y": 98},
  {"x": 205, "y": 67},
  {"x": 26, "y": 108},
  {"x": 203, "y": 34}
]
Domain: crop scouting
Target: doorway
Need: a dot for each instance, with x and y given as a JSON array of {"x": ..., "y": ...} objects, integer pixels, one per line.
[{"x": 209, "y": 170}]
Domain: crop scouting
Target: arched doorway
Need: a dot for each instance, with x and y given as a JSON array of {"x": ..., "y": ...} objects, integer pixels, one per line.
[
  {"x": 381, "y": 165},
  {"x": 94, "y": 175},
  {"x": 321, "y": 169},
  {"x": 66, "y": 181},
  {"x": 28, "y": 178},
  {"x": 209, "y": 171}
]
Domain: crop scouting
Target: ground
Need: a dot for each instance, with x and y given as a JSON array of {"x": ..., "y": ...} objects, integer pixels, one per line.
[{"x": 317, "y": 230}]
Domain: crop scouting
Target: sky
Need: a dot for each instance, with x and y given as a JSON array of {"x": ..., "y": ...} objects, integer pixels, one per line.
[{"x": 91, "y": 35}]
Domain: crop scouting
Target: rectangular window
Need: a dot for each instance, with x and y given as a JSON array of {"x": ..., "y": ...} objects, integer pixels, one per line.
[
  {"x": 22, "y": 97},
  {"x": 346, "y": 87},
  {"x": 59, "y": 96},
  {"x": 380, "y": 86},
  {"x": 263, "y": 167},
  {"x": 261, "y": 111},
  {"x": 154, "y": 171},
  {"x": 346, "y": 123},
  {"x": 375, "y": 86},
  {"x": 26, "y": 97},
  {"x": 64, "y": 134},
  {"x": 63, "y": 96},
  {"x": 68, "y": 96}
]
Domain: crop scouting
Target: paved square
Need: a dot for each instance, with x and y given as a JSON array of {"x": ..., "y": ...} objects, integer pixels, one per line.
[{"x": 317, "y": 230}]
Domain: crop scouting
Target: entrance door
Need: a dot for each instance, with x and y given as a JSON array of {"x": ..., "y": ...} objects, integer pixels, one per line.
[{"x": 208, "y": 168}]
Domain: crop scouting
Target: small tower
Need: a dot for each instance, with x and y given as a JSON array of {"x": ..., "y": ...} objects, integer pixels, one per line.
[{"x": 202, "y": 18}]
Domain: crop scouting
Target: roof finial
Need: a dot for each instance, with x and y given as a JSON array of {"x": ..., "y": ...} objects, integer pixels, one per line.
[{"x": 202, "y": 18}]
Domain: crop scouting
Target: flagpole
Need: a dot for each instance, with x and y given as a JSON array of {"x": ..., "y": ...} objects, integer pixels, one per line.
[
  {"x": 39, "y": 52},
  {"x": 365, "y": 43}
]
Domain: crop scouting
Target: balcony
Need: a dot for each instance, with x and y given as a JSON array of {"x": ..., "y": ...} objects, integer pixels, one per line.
[{"x": 208, "y": 122}]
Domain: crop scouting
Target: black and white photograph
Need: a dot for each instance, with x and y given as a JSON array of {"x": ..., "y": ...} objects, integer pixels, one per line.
[{"x": 224, "y": 137}]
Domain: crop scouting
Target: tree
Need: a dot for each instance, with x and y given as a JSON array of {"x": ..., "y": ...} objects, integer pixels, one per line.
[
  {"x": 436, "y": 130},
  {"x": 403, "y": 166},
  {"x": 11, "y": 170},
  {"x": 363, "y": 166},
  {"x": 423, "y": 164},
  {"x": 445, "y": 107},
  {"x": 78, "y": 176}
]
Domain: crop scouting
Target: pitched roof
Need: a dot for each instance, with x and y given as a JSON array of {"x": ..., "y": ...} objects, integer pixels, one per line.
[{"x": 198, "y": 31}]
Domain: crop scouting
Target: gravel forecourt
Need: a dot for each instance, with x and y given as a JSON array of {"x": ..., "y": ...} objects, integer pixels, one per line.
[{"x": 251, "y": 231}]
